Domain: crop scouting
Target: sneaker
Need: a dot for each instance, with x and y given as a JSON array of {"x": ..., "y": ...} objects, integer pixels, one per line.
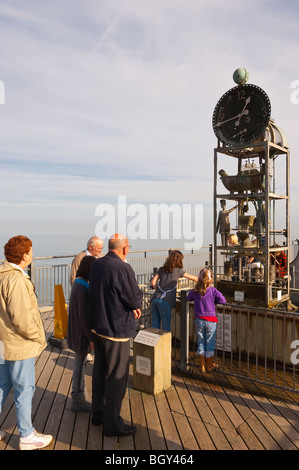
[
  {"x": 2, "y": 434},
  {"x": 35, "y": 441}
]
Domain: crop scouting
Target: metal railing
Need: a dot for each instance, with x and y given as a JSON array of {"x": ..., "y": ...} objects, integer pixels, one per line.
[
  {"x": 261, "y": 345},
  {"x": 252, "y": 343},
  {"x": 46, "y": 272}
]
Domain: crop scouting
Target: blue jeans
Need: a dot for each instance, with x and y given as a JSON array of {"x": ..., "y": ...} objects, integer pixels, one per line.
[
  {"x": 206, "y": 337},
  {"x": 161, "y": 314},
  {"x": 19, "y": 375}
]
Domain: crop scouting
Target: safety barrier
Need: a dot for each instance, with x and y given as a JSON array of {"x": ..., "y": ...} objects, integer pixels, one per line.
[
  {"x": 260, "y": 345},
  {"x": 46, "y": 272}
]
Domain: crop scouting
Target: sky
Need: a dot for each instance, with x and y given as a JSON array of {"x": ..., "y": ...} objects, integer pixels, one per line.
[{"x": 105, "y": 101}]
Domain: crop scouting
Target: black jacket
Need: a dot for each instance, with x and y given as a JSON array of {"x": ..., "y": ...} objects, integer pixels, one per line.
[
  {"x": 78, "y": 336},
  {"x": 113, "y": 295}
]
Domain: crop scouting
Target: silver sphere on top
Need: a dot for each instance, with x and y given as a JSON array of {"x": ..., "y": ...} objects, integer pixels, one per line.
[{"x": 240, "y": 76}]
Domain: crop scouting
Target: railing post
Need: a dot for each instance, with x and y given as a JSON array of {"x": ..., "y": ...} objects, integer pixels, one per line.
[
  {"x": 211, "y": 256},
  {"x": 184, "y": 331}
]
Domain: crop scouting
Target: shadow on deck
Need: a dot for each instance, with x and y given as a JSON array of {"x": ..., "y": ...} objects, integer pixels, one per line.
[{"x": 198, "y": 412}]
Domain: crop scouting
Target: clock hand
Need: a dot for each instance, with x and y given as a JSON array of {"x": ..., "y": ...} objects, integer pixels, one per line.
[
  {"x": 246, "y": 103},
  {"x": 237, "y": 123},
  {"x": 244, "y": 111},
  {"x": 240, "y": 133},
  {"x": 219, "y": 123}
]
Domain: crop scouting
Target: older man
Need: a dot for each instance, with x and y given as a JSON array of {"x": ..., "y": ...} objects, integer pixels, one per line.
[
  {"x": 114, "y": 302},
  {"x": 22, "y": 338},
  {"x": 94, "y": 248}
]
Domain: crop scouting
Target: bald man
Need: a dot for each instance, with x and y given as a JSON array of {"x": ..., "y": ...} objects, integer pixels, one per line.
[{"x": 114, "y": 303}]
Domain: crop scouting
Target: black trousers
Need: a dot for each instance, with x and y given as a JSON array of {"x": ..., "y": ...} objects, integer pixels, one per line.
[{"x": 109, "y": 380}]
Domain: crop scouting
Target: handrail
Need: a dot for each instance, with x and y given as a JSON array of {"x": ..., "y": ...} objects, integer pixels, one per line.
[
  {"x": 46, "y": 271},
  {"x": 159, "y": 250},
  {"x": 263, "y": 336}
]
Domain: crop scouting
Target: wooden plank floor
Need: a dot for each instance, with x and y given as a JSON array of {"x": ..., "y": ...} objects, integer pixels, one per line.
[{"x": 199, "y": 412}]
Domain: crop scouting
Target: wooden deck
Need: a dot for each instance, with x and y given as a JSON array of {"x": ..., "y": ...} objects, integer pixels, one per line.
[{"x": 198, "y": 412}]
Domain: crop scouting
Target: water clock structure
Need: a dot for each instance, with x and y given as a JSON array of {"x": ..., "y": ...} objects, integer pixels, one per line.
[{"x": 251, "y": 199}]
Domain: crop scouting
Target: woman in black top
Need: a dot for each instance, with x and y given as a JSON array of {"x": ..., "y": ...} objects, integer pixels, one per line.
[
  {"x": 165, "y": 283},
  {"x": 79, "y": 337}
]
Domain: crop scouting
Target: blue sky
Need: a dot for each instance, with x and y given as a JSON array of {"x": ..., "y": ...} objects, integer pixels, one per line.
[{"x": 108, "y": 98}]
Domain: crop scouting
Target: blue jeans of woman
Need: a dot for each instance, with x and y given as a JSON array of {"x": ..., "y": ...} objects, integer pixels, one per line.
[
  {"x": 206, "y": 337},
  {"x": 161, "y": 314},
  {"x": 19, "y": 375}
]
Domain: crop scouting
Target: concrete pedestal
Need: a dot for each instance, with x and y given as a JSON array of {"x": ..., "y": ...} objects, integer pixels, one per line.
[{"x": 152, "y": 361}]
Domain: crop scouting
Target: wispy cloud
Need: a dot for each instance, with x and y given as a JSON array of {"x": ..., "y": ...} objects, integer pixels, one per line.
[{"x": 106, "y": 98}]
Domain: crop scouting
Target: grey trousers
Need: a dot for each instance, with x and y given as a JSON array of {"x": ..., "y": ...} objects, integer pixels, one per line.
[
  {"x": 79, "y": 373},
  {"x": 109, "y": 380}
]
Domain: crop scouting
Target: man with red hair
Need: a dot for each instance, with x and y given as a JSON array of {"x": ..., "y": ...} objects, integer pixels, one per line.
[{"x": 22, "y": 339}]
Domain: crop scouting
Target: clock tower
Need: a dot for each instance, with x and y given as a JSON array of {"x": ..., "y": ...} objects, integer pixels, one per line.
[{"x": 251, "y": 199}]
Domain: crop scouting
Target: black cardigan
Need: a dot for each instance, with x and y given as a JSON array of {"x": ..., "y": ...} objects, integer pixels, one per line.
[
  {"x": 113, "y": 295},
  {"x": 78, "y": 336}
]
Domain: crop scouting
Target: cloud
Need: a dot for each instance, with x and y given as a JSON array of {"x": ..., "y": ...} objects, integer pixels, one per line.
[{"x": 109, "y": 98}]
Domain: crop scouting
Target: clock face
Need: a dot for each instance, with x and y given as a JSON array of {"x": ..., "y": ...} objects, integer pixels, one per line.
[{"x": 241, "y": 115}]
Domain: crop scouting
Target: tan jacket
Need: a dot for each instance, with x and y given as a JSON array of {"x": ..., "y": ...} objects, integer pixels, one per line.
[
  {"x": 75, "y": 265},
  {"x": 22, "y": 334}
]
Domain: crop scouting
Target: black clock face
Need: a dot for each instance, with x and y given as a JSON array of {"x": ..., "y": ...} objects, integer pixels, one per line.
[{"x": 241, "y": 115}]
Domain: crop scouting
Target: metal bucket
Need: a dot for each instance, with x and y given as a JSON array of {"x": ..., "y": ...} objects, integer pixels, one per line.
[
  {"x": 246, "y": 220},
  {"x": 243, "y": 182}
]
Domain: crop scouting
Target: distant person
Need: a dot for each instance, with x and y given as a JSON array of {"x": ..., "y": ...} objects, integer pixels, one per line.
[
  {"x": 22, "y": 338},
  {"x": 205, "y": 296},
  {"x": 78, "y": 336},
  {"x": 233, "y": 239},
  {"x": 114, "y": 303},
  {"x": 279, "y": 261},
  {"x": 165, "y": 283},
  {"x": 94, "y": 248}
]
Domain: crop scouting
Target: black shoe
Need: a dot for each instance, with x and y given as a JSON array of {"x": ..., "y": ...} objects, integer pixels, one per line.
[
  {"x": 97, "y": 419},
  {"x": 125, "y": 430}
]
